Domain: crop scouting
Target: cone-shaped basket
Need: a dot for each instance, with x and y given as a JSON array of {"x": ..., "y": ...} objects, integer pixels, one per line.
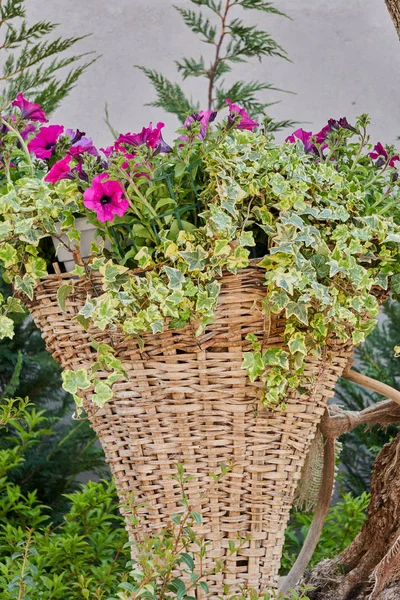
[{"x": 189, "y": 400}]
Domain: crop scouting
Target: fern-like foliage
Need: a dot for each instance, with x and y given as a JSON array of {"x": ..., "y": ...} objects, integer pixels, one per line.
[
  {"x": 32, "y": 59},
  {"x": 234, "y": 41}
]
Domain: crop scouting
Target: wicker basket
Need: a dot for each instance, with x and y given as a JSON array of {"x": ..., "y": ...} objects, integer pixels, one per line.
[{"x": 189, "y": 400}]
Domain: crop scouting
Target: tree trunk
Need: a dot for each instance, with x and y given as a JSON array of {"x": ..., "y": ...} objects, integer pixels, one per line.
[
  {"x": 393, "y": 7},
  {"x": 370, "y": 567}
]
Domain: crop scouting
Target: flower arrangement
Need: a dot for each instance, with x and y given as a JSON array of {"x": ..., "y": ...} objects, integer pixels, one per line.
[{"x": 319, "y": 212}]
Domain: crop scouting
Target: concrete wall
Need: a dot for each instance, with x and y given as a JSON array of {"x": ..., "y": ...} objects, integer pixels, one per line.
[{"x": 345, "y": 53}]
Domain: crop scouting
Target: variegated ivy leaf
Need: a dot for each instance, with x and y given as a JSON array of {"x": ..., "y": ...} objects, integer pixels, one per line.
[
  {"x": 196, "y": 259},
  {"x": 8, "y": 255},
  {"x": 6, "y": 327},
  {"x": 275, "y": 357},
  {"x": 253, "y": 364},
  {"x": 298, "y": 310},
  {"x": 278, "y": 301},
  {"x": 395, "y": 284},
  {"x": 26, "y": 284},
  {"x": 111, "y": 271},
  {"x": 176, "y": 278},
  {"x": 102, "y": 393},
  {"x": 73, "y": 381}
]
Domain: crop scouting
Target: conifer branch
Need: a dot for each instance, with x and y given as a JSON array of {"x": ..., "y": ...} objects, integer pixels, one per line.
[{"x": 233, "y": 42}]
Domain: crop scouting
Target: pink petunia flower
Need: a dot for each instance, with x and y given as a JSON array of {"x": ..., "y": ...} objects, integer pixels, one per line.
[
  {"x": 44, "y": 143},
  {"x": 60, "y": 170},
  {"x": 149, "y": 136},
  {"x": 106, "y": 198},
  {"x": 245, "y": 122},
  {"x": 379, "y": 150},
  {"x": 29, "y": 110}
]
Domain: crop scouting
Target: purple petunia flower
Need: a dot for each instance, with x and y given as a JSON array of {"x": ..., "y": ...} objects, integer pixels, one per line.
[
  {"x": 379, "y": 151},
  {"x": 28, "y": 129},
  {"x": 60, "y": 170},
  {"x": 83, "y": 146},
  {"x": 74, "y": 135},
  {"x": 204, "y": 117},
  {"x": 29, "y": 110},
  {"x": 106, "y": 198},
  {"x": 44, "y": 143},
  {"x": 149, "y": 136},
  {"x": 245, "y": 122}
]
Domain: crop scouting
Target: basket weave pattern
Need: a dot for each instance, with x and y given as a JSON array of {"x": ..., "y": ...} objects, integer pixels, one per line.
[{"x": 188, "y": 399}]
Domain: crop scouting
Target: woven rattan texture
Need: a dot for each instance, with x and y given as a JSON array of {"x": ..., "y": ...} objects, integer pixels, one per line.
[{"x": 189, "y": 400}]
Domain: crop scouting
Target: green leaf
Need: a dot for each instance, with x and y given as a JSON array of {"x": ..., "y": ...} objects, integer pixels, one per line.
[
  {"x": 75, "y": 380},
  {"x": 297, "y": 344},
  {"x": 8, "y": 255},
  {"x": 204, "y": 587},
  {"x": 188, "y": 560},
  {"x": 26, "y": 284},
  {"x": 298, "y": 310},
  {"x": 6, "y": 327},
  {"x": 253, "y": 364},
  {"x": 176, "y": 278},
  {"x": 196, "y": 259},
  {"x": 14, "y": 305},
  {"x": 395, "y": 284},
  {"x": 37, "y": 267},
  {"x": 63, "y": 292},
  {"x": 276, "y": 357},
  {"x": 278, "y": 300},
  {"x": 111, "y": 271},
  {"x": 103, "y": 393},
  {"x": 246, "y": 238}
]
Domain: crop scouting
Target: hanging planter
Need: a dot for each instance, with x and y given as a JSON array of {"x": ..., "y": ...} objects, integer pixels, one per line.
[
  {"x": 179, "y": 347},
  {"x": 188, "y": 400}
]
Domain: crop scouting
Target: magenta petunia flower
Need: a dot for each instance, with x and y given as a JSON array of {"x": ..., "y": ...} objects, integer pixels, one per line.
[
  {"x": 29, "y": 110},
  {"x": 149, "y": 136},
  {"x": 44, "y": 143},
  {"x": 83, "y": 146},
  {"x": 106, "y": 198},
  {"x": 245, "y": 122},
  {"x": 303, "y": 136},
  {"x": 321, "y": 136},
  {"x": 379, "y": 150},
  {"x": 60, "y": 170},
  {"x": 204, "y": 117}
]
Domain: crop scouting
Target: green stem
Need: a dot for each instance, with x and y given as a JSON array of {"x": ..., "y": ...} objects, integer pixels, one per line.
[
  {"x": 22, "y": 142},
  {"x": 138, "y": 192}
]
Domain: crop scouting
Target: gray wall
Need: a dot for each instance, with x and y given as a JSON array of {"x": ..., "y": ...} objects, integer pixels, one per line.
[{"x": 345, "y": 53}]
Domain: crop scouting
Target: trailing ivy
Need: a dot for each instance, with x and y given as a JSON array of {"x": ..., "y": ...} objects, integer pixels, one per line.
[{"x": 320, "y": 211}]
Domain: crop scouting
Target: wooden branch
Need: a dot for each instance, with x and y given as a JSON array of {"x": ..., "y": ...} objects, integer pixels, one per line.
[
  {"x": 393, "y": 7},
  {"x": 373, "y": 384}
]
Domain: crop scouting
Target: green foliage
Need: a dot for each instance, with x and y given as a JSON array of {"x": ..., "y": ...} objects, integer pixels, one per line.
[
  {"x": 233, "y": 41},
  {"x": 374, "y": 358},
  {"x": 52, "y": 464},
  {"x": 33, "y": 58},
  {"x": 342, "y": 524}
]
